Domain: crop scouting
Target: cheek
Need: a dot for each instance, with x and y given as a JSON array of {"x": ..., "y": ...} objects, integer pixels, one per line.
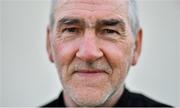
[
  {"x": 64, "y": 53},
  {"x": 119, "y": 56}
]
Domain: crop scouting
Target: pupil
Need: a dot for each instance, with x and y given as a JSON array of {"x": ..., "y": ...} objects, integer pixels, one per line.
[{"x": 71, "y": 29}]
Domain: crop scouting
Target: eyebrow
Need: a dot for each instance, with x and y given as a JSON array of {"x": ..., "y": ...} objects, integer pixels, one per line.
[
  {"x": 70, "y": 21},
  {"x": 111, "y": 22}
]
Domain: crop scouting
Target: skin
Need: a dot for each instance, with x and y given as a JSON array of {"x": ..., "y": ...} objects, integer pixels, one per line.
[{"x": 92, "y": 46}]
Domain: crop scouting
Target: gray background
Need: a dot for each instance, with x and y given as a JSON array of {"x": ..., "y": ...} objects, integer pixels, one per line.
[{"x": 27, "y": 78}]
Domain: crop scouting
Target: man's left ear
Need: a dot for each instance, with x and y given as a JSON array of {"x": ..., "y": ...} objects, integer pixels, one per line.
[
  {"x": 138, "y": 46},
  {"x": 48, "y": 44}
]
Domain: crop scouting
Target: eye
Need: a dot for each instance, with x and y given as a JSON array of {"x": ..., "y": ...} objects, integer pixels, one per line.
[
  {"x": 109, "y": 31},
  {"x": 71, "y": 30}
]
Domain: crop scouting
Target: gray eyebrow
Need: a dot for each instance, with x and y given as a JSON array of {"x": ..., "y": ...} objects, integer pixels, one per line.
[
  {"x": 111, "y": 22},
  {"x": 71, "y": 21}
]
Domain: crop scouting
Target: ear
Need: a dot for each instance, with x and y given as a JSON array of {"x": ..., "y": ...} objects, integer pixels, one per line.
[
  {"x": 48, "y": 44},
  {"x": 138, "y": 46}
]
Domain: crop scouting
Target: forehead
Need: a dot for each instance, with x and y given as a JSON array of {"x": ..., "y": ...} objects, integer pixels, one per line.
[{"x": 91, "y": 9}]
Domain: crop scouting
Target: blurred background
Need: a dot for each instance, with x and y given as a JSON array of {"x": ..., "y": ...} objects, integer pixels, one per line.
[{"x": 27, "y": 78}]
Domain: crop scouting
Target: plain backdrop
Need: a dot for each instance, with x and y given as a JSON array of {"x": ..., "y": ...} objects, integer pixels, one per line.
[
  {"x": 27, "y": 78},
  {"x": 0, "y": 57}
]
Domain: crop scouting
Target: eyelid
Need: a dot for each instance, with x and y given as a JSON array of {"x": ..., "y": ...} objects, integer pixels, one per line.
[
  {"x": 66, "y": 28},
  {"x": 115, "y": 31},
  {"x": 71, "y": 29},
  {"x": 69, "y": 26}
]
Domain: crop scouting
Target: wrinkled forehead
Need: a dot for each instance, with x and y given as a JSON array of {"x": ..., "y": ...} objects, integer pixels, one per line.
[
  {"x": 91, "y": 8},
  {"x": 91, "y": 5},
  {"x": 118, "y": 3}
]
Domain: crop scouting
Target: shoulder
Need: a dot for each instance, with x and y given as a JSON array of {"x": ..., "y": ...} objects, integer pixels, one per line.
[
  {"x": 143, "y": 100},
  {"x": 53, "y": 103},
  {"x": 138, "y": 100},
  {"x": 59, "y": 102}
]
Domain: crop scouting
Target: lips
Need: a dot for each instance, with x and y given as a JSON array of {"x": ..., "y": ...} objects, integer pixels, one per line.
[{"x": 89, "y": 73}]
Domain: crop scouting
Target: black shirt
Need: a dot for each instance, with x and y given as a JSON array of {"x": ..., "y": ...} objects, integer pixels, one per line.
[{"x": 128, "y": 99}]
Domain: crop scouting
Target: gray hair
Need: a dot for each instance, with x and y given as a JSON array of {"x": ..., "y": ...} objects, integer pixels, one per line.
[{"x": 132, "y": 14}]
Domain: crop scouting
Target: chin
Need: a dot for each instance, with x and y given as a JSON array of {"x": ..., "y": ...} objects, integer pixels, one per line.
[{"x": 90, "y": 96}]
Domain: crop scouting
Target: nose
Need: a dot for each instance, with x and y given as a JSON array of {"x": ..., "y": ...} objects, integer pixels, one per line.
[{"x": 88, "y": 49}]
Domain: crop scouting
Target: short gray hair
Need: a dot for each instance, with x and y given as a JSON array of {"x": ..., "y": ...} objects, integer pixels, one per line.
[{"x": 132, "y": 14}]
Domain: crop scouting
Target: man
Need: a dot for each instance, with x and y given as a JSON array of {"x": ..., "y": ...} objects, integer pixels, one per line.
[{"x": 93, "y": 44}]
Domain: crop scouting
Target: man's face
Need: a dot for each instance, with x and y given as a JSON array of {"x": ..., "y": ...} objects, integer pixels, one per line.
[{"x": 92, "y": 46}]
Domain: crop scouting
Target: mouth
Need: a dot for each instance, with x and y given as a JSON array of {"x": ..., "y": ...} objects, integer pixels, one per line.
[
  {"x": 90, "y": 73},
  {"x": 90, "y": 78}
]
